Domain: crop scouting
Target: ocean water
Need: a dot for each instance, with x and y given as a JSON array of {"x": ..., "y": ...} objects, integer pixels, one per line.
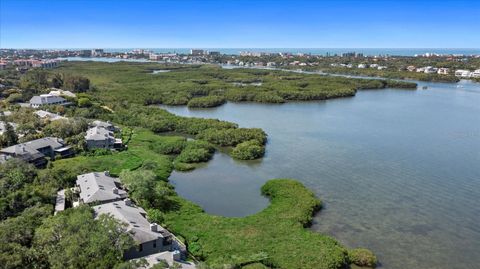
[
  {"x": 322, "y": 51},
  {"x": 398, "y": 170}
]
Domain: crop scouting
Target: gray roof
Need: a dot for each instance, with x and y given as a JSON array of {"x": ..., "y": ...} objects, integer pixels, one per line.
[
  {"x": 49, "y": 115},
  {"x": 99, "y": 123},
  {"x": 46, "y": 99},
  {"x": 29, "y": 150},
  {"x": 99, "y": 134},
  {"x": 134, "y": 216},
  {"x": 98, "y": 187}
]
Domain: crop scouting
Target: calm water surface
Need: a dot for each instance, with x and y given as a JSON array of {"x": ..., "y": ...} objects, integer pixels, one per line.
[{"x": 398, "y": 170}]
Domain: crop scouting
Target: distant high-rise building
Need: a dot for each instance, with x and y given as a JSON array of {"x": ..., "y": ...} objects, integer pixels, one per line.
[
  {"x": 85, "y": 53},
  {"x": 197, "y": 52},
  {"x": 349, "y": 54},
  {"x": 97, "y": 52}
]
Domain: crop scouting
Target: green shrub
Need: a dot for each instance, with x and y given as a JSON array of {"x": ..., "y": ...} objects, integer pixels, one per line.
[
  {"x": 268, "y": 97},
  {"x": 183, "y": 166},
  {"x": 362, "y": 257},
  {"x": 195, "y": 152},
  {"x": 170, "y": 145},
  {"x": 248, "y": 150},
  {"x": 232, "y": 137},
  {"x": 84, "y": 102},
  {"x": 206, "y": 101}
]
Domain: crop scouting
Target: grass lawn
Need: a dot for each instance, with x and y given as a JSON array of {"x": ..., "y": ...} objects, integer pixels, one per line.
[{"x": 114, "y": 163}]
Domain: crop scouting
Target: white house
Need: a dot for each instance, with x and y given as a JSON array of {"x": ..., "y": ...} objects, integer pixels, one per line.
[
  {"x": 99, "y": 137},
  {"x": 47, "y": 99},
  {"x": 476, "y": 73},
  {"x": 443, "y": 71},
  {"x": 463, "y": 73}
]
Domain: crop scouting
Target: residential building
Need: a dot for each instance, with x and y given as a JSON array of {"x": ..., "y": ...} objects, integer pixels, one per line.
[
  {"x": 36, "y": 151},
  {"x": 463, "y": 73},
  {"x": 99, "y": 187},
  {"x": 3, "y": 65},
  {"x": 430, "y": 70},
  {"x": 104, "y": 124},
  {"x": 150, "y": 237},
  {"x": 476, "y": 73},
  {"x": 47, "y": 99},
  {"x": 443, "y": 71},
  {"x": 36, "y": 63},
  {"x": 411, "y": 68},
  {"x": 48, "y": 115},
  {"x": 100, "y": 137},
  {"x": 59, "y": 92},
  {"x": 421, "y": 70},
  {"x": 197, "y": 52},
  {"x": 85, "y": 53}
]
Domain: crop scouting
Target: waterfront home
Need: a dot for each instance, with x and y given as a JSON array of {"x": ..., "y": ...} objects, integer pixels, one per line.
[
  {"x": 99, "y": 187},
  {"x": 443, "y": 71},
  {"x": 463, "y": 73},
  {"x": 47, "y": 99},
  {"x": 430, "y": 70},
  {"x": 150, "y": 237},
  {"x": 36, "y": 63},
  {"x": 36, "y": 151},
  {"x": 476, "y": 73},
  {"x": 100, "y": 137},
  {"x": 411, "y": 68},
  {"x": 48, "y": 115}
]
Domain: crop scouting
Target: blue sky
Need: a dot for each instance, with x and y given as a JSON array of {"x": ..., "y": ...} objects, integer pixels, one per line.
[{"x": 239, "y": 24}]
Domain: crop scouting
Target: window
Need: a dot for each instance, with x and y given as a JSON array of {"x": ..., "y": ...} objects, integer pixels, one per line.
[
  {"x": 155, "y": 244},
  {"x": 140, "y": 248}
]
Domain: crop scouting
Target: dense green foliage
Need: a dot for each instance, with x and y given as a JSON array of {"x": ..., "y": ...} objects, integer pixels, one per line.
[
  {"x": 19, "y": 188},
  {"x": 16, "y": 235},
  {"x": 196, "y": 151},
  {"x": 206, "y": 101},
  {"x": 170, "y": 145},
  {"x": 248, "y": 150},
  {"x": 207, "y": 85},
  {"x": 362, "y": 257},
  {"x": 232, "y": 137},
  {"x": 147, "y": 190},
  {"x": 9, "y": 137},
  {"x": 74, "y": 239},
  {"x": 275, "y": 237}
]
